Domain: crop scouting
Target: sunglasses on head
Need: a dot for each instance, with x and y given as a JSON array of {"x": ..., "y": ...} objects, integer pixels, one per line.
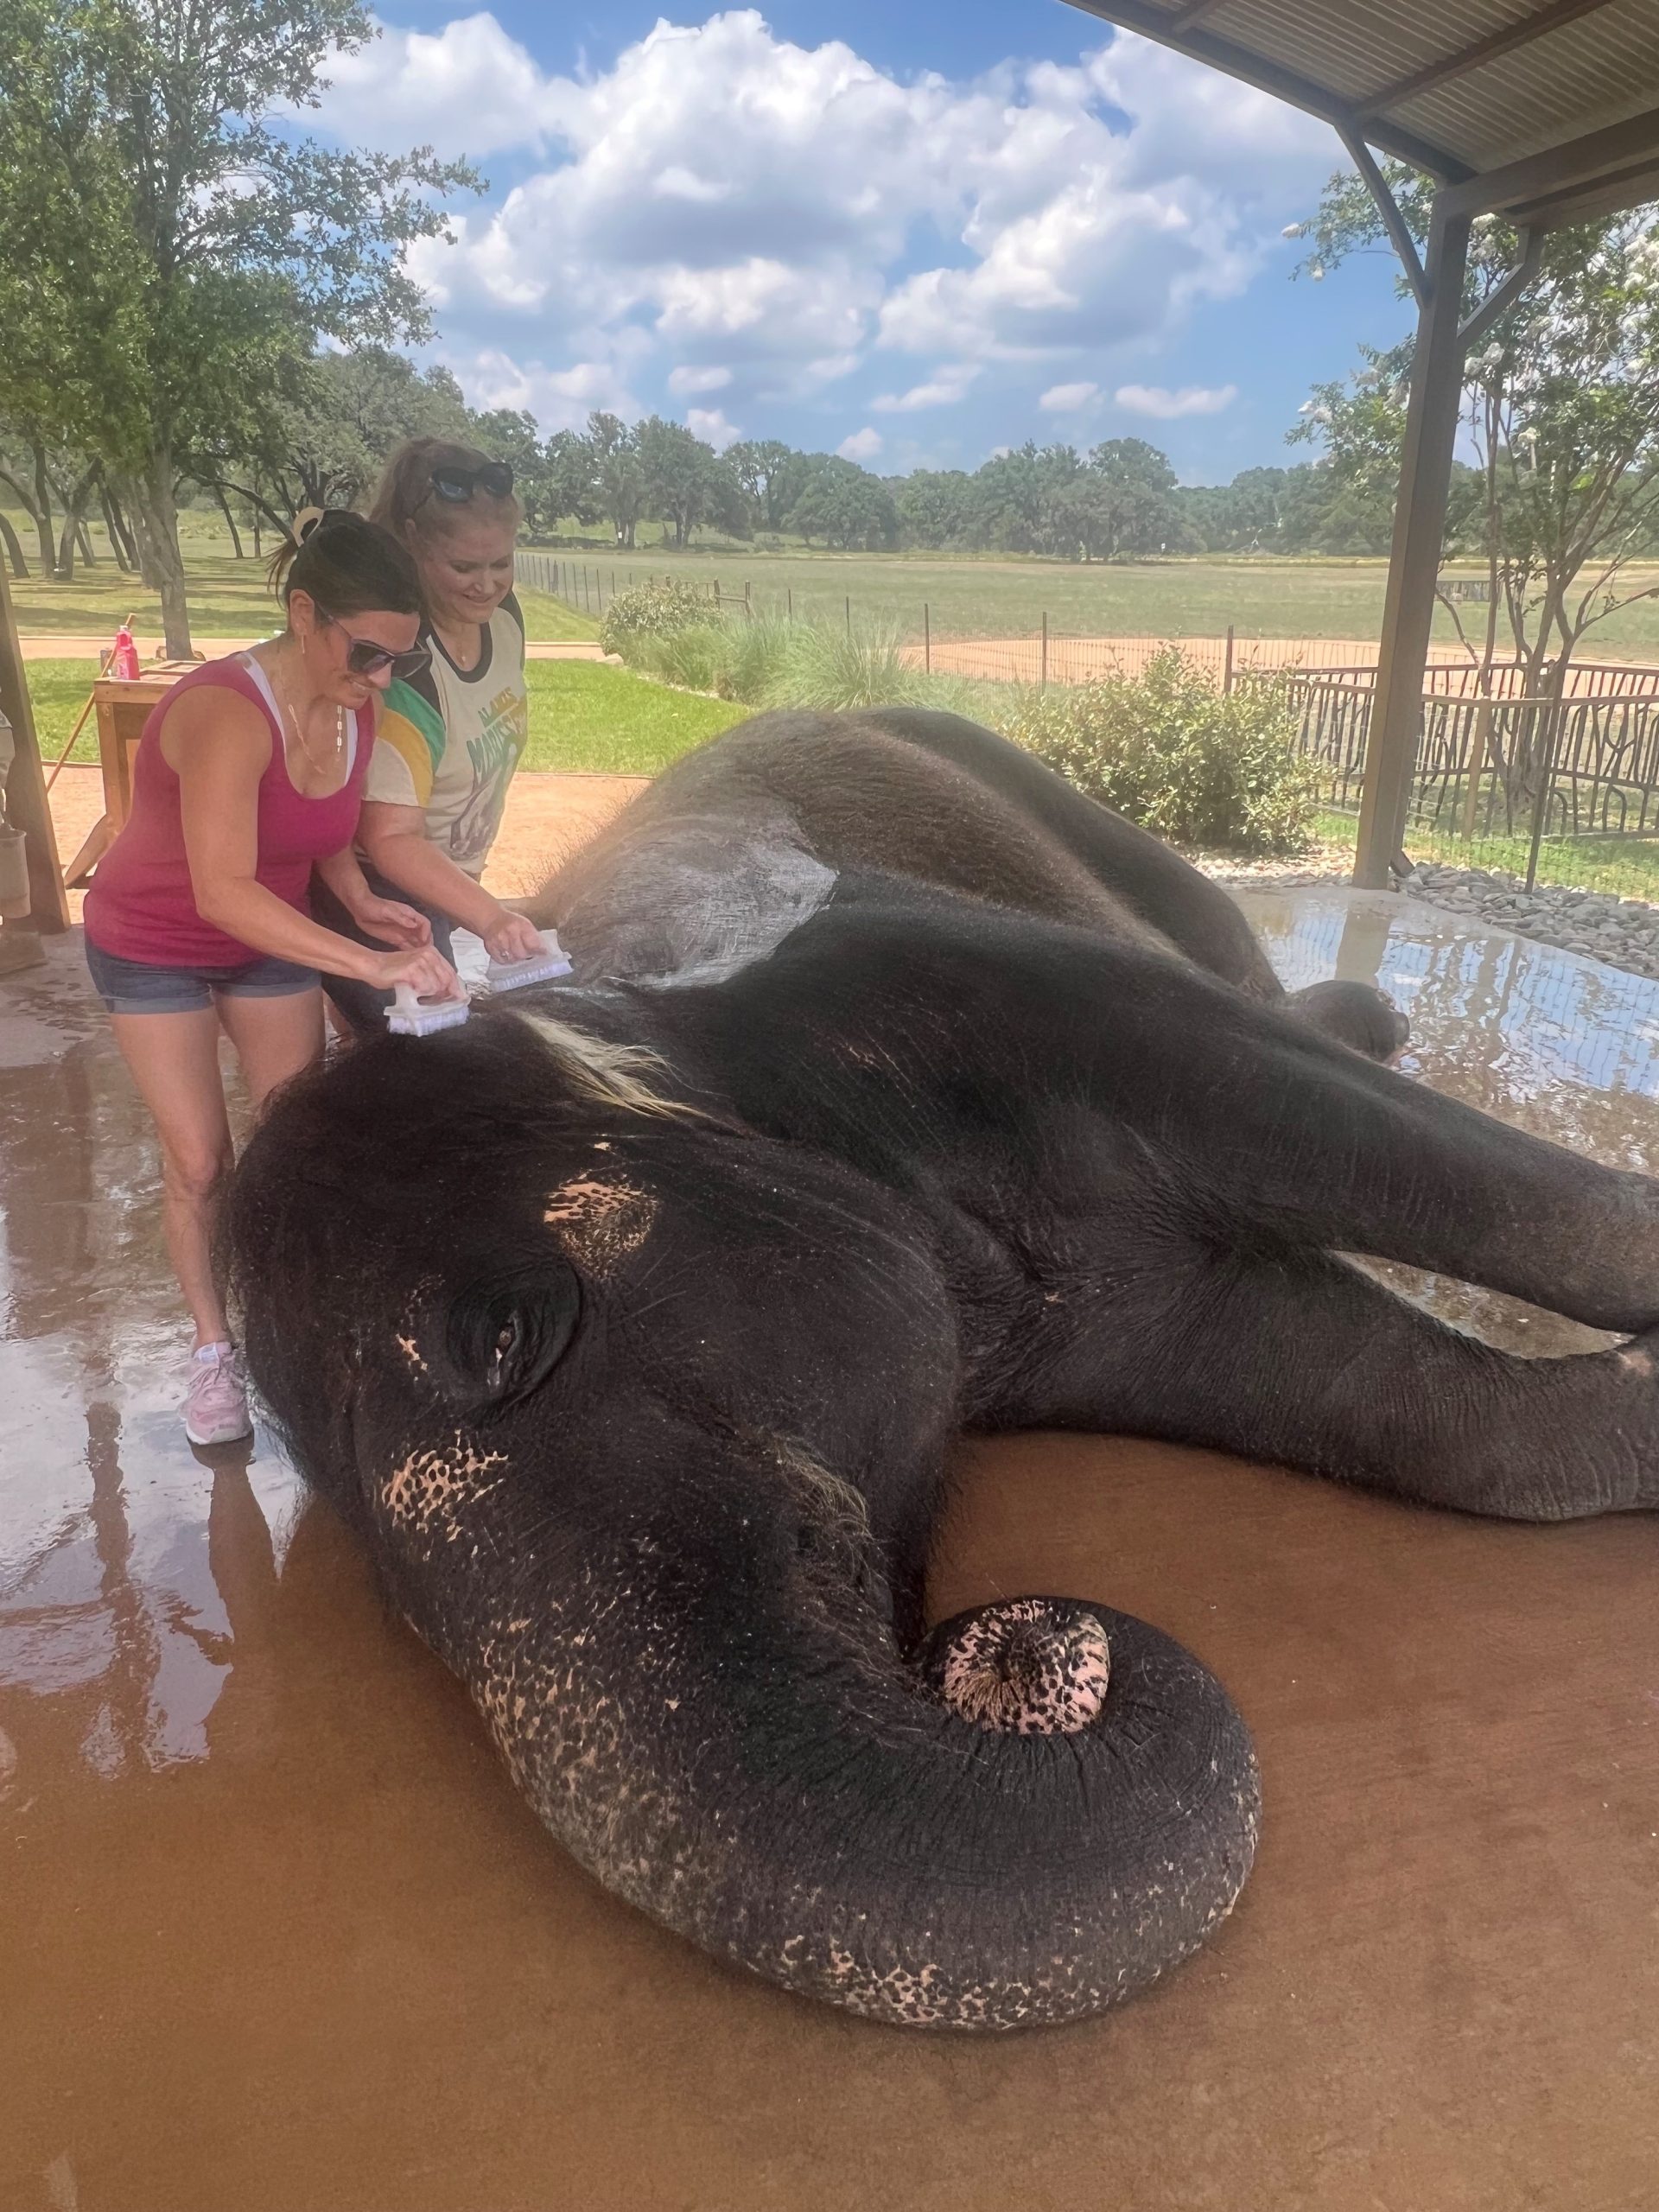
[
  {"x": 457, "y": 485},
  {"x": 364, "y": 657}
]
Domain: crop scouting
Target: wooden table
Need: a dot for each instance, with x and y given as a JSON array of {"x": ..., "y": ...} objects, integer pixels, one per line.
[{"x": 123, "y": 705}]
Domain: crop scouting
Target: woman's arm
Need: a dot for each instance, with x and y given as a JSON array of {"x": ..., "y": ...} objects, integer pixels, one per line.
[
  {"x": 388, "y": 919},
  {"x": 219, "y": 745},
  {"x": 395, "y": 839}
]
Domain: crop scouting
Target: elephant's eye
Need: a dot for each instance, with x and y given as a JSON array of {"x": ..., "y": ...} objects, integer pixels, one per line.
[{"x": 505, "y": 1336}]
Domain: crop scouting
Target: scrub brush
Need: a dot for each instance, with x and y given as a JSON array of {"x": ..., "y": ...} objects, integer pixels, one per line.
[
  {"x": 409, "y": 1016},
  {"x": 539, "y": 967}
]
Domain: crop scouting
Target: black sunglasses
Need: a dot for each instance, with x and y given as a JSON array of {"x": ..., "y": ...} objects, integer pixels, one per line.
[
  {"x": 457, "y": 485},
  {"x": 364, "y": 657}
]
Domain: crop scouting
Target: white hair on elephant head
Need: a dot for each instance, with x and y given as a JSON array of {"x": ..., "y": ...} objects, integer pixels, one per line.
[
  {"x": 624, "y": 1078},
  {"x": 695, "y": 899}
]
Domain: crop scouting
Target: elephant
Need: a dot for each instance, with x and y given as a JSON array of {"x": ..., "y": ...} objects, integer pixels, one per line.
[{"x": 898, "y": 1091}]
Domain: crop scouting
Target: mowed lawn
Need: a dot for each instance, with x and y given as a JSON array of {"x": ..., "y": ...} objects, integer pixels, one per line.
[
  {"x": 988, "y": 598},
  {"x": 583, "y": 717}
]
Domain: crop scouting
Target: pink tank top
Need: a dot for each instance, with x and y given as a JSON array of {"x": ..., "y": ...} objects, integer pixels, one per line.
[{"x": 141, "y": 905}]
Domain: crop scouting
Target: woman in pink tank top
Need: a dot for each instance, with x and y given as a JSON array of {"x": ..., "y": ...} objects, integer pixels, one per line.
[{"x": 249, "y": 774}]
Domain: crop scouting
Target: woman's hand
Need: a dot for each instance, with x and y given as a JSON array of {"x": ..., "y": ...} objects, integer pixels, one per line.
[
  {"x": 510, "y": 936},
  {"x": 390, "y": 921},
  {"x": 428, "y": 973}
]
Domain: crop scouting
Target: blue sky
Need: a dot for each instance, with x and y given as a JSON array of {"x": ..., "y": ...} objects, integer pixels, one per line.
[{"x": 911, "y": 232}]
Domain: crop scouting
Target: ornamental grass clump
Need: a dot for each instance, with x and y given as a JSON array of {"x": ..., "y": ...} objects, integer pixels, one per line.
[{"x": 1176, "y": 755}]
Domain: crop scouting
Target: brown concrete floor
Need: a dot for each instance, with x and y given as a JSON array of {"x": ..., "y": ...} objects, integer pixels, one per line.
[{"x": 277, "y": 1936}]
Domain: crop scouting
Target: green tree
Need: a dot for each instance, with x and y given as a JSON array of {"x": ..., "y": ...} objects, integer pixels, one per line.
[
  {"x": 324, "y": 443},
  {"x": 170, "y": 255},
  {"x": 844, "y": 505},
  {"x": 570, "y": 482},
  {"x": 773, "y": 476},
  {"x": 619, "y": 479},
  {"x": 54, "y": 485},
  {"x": 686, "y": 481},
  {"x": 1127, "y": 505},
  {"x": 1560, "y": 408},
  {"x": 935, "y": 506}
]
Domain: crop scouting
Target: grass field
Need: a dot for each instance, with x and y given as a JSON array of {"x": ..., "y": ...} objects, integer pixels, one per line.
[
  {"x": 981, "y": 598},
  {"x": 996, "y": 599},
  {"x": 583, "y": 716},
  {"x": 228, "y": 599}
]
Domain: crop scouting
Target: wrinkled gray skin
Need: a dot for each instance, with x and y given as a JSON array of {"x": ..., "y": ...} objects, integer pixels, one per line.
[{"x": 971, "y": 1108}]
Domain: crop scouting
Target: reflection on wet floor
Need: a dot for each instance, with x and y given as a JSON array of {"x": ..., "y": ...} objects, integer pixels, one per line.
[{"x": 275, "y": 1933}]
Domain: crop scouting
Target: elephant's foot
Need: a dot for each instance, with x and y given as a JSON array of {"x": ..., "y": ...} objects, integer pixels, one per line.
[
  {"x": 1036, "y": 1666},
  {"x": 1354, "y": 1014}
]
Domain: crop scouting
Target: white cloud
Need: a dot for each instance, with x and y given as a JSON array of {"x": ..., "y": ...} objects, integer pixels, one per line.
[
  {"x": 560, "y": 399},
  {"x": 709, "y": 422},
  {"x": 685, "y": 380},
  {"x": 721, "y": 191},
  {"x": 470, "y": 89},
  {"x": 1067, "y": 398},
  {"x": 1170, "y": 406},
  {"x": 945, "y": 386},
  {"x": 862, "y": 445}
]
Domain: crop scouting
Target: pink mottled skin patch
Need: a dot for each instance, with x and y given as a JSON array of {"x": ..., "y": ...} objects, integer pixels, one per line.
[{"x": 1030, "y": 1667}]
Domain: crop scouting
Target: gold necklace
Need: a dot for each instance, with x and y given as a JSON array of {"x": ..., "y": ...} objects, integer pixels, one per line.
[{"x": 322, "y": 769}]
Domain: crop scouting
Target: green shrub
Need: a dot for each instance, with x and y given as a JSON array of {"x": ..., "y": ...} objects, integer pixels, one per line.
[
  {"x": 659, "y": 609},
  {"x": 1174, "y": 755}
]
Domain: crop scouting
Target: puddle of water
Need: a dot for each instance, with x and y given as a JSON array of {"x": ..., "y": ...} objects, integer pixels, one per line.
[{"x": 275, "y": 1934}]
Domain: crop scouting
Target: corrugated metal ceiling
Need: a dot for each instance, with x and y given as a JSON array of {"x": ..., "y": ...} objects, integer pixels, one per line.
[{"x": 1598, "y": 66}]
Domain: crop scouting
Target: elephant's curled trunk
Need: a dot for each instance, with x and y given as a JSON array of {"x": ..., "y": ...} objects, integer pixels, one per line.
[{"x": 715, "y": 1719}]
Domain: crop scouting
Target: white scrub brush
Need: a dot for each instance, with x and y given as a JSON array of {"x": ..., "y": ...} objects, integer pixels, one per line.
[
  {"x": 540, "y": 967},
  {"x": 409, "y": 1016}
]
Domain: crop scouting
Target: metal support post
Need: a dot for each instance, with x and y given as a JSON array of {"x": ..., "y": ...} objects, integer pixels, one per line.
[{"x": 1418, "y": 528}]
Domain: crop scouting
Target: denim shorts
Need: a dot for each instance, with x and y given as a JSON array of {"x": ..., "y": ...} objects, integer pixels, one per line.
[{"x": 136, "y": 987}]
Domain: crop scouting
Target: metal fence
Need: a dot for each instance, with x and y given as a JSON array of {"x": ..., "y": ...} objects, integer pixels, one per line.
[{"x": 1517, "y": 771}]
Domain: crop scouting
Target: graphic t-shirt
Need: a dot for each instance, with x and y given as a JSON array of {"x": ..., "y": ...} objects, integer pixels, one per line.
[{"x": 449, "y": 741}]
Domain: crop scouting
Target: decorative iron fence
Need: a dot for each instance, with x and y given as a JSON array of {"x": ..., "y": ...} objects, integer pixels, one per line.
[{"x": 1509, "y": 769}]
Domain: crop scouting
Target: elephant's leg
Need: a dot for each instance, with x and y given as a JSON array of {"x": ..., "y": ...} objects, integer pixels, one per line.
[
  {"x": 1299, "y": 1358},
  {"x": 1179, "y": 901},
  {"x": 1273, "y": 1131}
]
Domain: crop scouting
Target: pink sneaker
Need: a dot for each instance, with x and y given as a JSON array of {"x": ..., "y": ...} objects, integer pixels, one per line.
[{"x": 216, "y": 1404}]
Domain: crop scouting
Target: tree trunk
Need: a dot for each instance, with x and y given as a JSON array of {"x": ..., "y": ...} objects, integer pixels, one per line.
[
  {"x": 162, "y": 563},
  {"x": 121, "y": 545},
  {"x": 230, "y": 519},
  {"x": 14, "y": 550},
  {"x": 43, "y": 507},
  {"x": 69, "y": 536}
]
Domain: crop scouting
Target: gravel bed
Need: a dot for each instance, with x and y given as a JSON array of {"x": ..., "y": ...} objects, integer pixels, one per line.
[{"x": 1624, "y": 932}]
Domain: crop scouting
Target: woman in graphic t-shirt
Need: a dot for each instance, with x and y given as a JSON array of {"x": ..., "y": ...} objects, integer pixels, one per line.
[
  {"x": 451, "y": 736},
  {"x": 249, "y": 773}
]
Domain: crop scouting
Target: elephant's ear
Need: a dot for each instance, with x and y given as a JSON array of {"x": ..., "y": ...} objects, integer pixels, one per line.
[{"x": 504, "y": 1334}]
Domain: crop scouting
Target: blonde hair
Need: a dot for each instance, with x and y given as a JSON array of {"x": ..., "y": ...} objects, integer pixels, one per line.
[{"x": 404, "y": 500}]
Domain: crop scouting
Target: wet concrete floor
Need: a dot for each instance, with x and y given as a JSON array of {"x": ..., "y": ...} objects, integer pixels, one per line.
[{"x": 275, "y": 1936}]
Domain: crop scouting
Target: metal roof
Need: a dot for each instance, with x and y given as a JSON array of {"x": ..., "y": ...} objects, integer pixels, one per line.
[{"x": 1561, "y": 97}]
